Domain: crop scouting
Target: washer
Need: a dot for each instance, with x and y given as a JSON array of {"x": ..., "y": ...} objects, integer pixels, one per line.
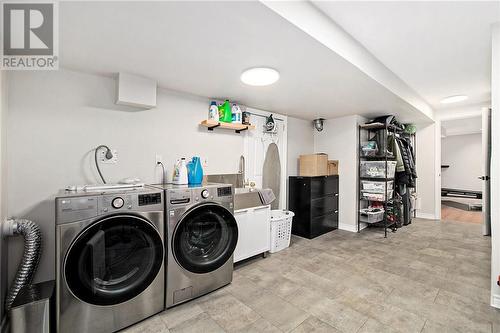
[
  {"x": 201, "y": 237},
  {"x": 109, "y": 259}
]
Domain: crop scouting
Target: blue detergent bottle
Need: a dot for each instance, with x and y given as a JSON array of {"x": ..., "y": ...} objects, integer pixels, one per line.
[{"x": 195, "y": 171}]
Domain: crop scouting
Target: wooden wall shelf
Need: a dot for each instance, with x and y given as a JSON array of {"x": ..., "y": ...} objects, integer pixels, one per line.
[{"x": 211, "y": 124}]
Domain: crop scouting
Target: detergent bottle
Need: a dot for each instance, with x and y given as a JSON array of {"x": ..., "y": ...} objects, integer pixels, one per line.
[
  {"x": 228, "y": 117},
  {"x": 195, "y": 171},
  {"x": 180, "y": 173},
  {"x": 236, "y": 110},
  {"x": 213, "y": 111}
]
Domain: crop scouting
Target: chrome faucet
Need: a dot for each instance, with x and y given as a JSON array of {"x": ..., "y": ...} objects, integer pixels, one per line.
[{"x": 242, "y": 171}]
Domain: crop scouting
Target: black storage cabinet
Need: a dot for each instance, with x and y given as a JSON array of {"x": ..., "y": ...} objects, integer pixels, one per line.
[{"x": 315, "y": 202}]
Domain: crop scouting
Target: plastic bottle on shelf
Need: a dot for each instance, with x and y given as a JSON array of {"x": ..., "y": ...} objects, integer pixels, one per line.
[
  {"x": 213, "y": 111},
  {"x": 221, "y": 112},
  {"x": 236, "y": 110},
  {"x": 227, "y": 112}
]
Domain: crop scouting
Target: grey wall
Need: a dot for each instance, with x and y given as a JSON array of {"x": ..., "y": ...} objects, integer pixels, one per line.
[
  {"x": 463, "y": 154},
  {"x": 55, "y": 120}
]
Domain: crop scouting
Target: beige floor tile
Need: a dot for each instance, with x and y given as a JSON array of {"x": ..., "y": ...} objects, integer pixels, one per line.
[
  {"x": 437, "y": 313},
  {"x": 201, "y": 323},
  {"x": 278, "y": 312},
  {"x": 334, "y": 313},
  {"x": 470, "y": 308},
  {"x": 427, "y": 277},
  {"x": 261, "y": 325},
  {"x": 179, "y": 314},
  {"x": 373, "y": 326},
  {"x": 229, "y": 312},
  {"x": 150, "y": 325},
  {"x": 313, "y": 324},
  {"x": 434, "y": 327}
]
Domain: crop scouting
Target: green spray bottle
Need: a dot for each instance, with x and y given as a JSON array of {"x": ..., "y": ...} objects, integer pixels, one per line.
[{"x": 228, "y": 116}]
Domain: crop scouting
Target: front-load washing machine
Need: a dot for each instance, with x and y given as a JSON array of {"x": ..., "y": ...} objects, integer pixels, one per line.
[
  {"x": 109, "y": 259},
  {"x": 201, "y": 237}
]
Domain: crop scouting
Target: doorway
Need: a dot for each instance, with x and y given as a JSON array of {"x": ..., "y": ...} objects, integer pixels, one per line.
[{"x": 465, "y": 170}]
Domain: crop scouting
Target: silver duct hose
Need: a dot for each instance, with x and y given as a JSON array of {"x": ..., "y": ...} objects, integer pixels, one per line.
[{"x": 31, "y": 254}]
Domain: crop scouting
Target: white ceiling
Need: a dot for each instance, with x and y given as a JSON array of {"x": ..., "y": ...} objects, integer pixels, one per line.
[
  {"x": 438, "y": 48},
  {"x": 202, "y": 47}
]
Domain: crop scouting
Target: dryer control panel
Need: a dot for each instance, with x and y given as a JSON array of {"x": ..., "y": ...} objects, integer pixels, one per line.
[{"x": 84, "y": 206}]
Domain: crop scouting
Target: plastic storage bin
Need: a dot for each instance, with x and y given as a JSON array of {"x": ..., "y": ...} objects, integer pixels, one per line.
[
  {"x": 376, "y": 196},
  {"x": 376, "y": 186},
  {"x": 368, "y": 216},
  {"x": 369, "y": 149},
  {"x": 281, "y": 229},
  {"x": 376, "y": 169}
]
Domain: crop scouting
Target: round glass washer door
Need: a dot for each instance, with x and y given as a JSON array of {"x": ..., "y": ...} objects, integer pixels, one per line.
[
  {"x": 114, "y": 260},
  {"x": 205, "y": 238}
]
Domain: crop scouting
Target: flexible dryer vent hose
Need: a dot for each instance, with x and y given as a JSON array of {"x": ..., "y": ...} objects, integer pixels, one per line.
[{"x": 31, "y": 255}]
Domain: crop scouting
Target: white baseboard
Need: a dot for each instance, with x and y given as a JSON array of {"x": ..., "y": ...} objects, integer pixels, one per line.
[
  {"x": 351, "y": 227},
  {"x": 495, "y": 301},
  {"x": 426, "y": 216}
]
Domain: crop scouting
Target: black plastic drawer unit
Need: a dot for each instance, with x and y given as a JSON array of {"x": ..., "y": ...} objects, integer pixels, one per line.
[{"x": 315, "y": 202}]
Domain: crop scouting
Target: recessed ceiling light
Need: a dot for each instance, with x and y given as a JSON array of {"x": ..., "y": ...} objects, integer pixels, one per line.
[
  {"x": 260, "y": 76},
  {"x": 454, "y": 99}
]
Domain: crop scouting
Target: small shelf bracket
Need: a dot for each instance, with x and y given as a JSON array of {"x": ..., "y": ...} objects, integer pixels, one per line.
[
  {"x": 211, "y": 128},
  {"x": 241, "y": 130}
]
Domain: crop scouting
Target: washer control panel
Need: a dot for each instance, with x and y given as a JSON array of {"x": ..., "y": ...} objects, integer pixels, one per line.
[
  {"x": 117, "y": 203},
  {"x": 224, "y": 191},
  {"x": 149, "y": 199},
  {"x": 110, "y": 203},
  {"x": 205, "y": 194}
]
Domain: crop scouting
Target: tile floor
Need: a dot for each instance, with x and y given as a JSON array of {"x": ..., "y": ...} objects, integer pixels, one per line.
[{"x": 428, "y": 277}]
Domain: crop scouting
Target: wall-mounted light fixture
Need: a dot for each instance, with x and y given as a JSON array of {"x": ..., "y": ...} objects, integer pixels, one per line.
[{"x": 318, "y": 124}]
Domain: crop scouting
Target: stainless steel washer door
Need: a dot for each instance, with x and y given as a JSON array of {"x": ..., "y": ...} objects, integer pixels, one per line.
[
  {"x": 205, "y": 238},
  {"x": 113, "y": 260}
]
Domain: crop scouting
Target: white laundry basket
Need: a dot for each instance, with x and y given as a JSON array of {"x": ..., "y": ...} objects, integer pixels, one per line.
[{"x": 281, "y": 229}]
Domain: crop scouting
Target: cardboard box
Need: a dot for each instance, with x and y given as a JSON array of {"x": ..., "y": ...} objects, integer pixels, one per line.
[
  {"x": 333, "y": 167},
  {"x": 313, "y": 165}
]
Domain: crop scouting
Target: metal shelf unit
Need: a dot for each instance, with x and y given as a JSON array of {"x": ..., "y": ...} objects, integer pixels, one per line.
[{"x": 369, "y": 129}]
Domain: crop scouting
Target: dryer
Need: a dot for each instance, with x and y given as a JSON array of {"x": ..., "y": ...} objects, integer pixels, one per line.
[
  {"x": 201, "y": 234},
  {"x": 109, "y": 259}
]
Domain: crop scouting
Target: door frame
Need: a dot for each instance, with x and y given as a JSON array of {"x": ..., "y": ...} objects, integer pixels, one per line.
[
  {"x": 283, "y": 158},
  {"x": 486, "y": 156}
]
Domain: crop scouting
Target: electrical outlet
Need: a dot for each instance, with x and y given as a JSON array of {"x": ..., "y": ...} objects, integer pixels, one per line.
[
  {"x": 158, "y": 159},
  {"x": 112, "y": 160}
]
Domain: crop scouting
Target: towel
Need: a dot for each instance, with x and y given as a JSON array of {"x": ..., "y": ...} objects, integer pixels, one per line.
[{"x": 266, "y": 196}]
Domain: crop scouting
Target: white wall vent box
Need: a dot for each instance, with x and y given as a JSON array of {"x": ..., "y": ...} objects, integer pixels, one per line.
[{"x": 136, "y": 91}]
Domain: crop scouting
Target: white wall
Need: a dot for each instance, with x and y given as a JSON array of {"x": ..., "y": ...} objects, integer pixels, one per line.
[
  {"x": 55, "y": 120},
  {"x": 428, "y": 170},
  {"x": 462, "y": 153},
  {"x": 339, "y": 139},
  {"x": 300, "y": 142},
  {"x": 3, "y": 192},
  {"x": 495, "y": 166}
]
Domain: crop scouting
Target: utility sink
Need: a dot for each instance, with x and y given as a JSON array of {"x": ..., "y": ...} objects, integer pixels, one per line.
[
  {"x": 244, "y": 190},
  {"x": 246, "y": 198}
]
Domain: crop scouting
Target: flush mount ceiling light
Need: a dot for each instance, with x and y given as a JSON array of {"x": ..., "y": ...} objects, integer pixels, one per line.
[
  {"x": 260, "y": 76},
  {"x": 454, "y": 99}
]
